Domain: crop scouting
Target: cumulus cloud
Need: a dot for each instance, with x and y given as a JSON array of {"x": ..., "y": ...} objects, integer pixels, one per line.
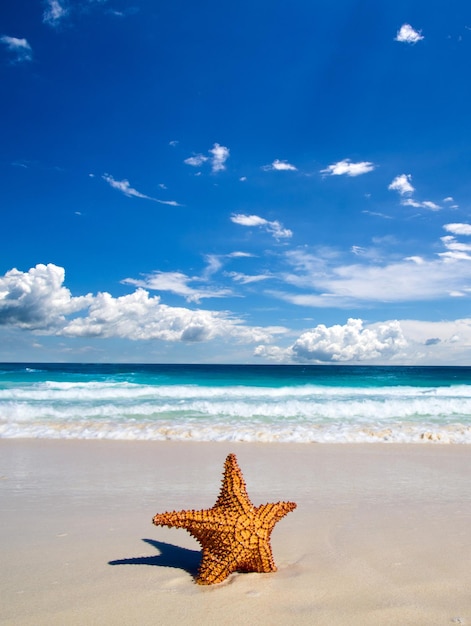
[
  {"x": 350, "y": 342},
  {"x": 280, "y": 166},
  {"x": 125, "y": 187},
  {"x": 275, "y": 228},
  {"x": 458, "y": 229},
  {"x": 347, "y": 167},
  {"x": 219, "y": 155},
  {"x": 37, "y": 300},
  {"x": 20, "y": 48},
  {"x": 402, "y": 184},
  {"x": 407, "y": 34}
]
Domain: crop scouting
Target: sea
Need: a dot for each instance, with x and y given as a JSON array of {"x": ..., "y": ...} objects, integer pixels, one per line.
[{"x": 252, "y": 403}]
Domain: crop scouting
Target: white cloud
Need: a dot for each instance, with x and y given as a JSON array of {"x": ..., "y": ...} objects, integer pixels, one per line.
[
  {"x": 55, "y": 11},
  {"x": 426, "y": 204},
  {"x": 280, "y": 166},
  {"x": 130, "y": 192},
  {"x": 402, "y": 184},
  {"x": 219, "y": 158},
  {"x": 348, "y": 168},
  {"x": 37, "y": 300},
  {"x": 275, "y": 227},
  {"x": 196, "y": 160},
  {"x": 19, "y": 47},
  {"x": 407, "y": 34},
  {"x": 245, "y": 279},
  {"x": 325, "y": 281},
  {"x": 179, "y": 284},
  {"x": 219, "y": 155},
  {"x": 350, "y": 342},
  {"x": 458, "y": 229}
]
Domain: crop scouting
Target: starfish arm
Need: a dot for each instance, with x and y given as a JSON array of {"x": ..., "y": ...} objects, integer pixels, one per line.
[
  {"x": 204, "y": 525},
  {"x": 233, "y": 492},
  {"x": 271, "y": 513},
  {"x": 216, "y": 566}
]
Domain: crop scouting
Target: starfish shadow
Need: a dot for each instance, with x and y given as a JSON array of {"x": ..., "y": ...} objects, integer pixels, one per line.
[{"x": 170, "y": 556}]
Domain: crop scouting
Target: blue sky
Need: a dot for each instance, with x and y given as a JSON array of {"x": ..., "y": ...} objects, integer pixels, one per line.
[{"x": 263, "y": 182}]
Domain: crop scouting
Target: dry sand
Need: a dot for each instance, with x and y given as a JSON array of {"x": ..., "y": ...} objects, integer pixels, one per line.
[{"x": 381, "y": 535}]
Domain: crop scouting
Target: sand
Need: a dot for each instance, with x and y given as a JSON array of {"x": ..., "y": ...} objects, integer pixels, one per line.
[{"x": 381, "y": 535}]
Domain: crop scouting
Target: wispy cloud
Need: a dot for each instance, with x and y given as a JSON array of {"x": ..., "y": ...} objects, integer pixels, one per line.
[
  {"x": 425, "y": 204},
  {"x": 219, "y": 155},
  {"x": 346, "y": 167},
  {"x": 196, "y": 160},
  {"x": 54, "y": 12},
  {"x": 324, "y": 279},
  {"x": 280, "y": 166},
  {"x": 179, "y": 284},
  {"x": 407, "y": 34},
  {"x": 125, "y": 187},
  {"x": 275, "y": 228},
  {"x": 20, "y": 48}
]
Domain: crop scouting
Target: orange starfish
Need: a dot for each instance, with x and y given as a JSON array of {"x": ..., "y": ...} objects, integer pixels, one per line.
[{"x": 234, "y": 534}]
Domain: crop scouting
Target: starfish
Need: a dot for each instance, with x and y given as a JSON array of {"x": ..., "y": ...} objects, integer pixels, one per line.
[{"x": 234, "y": 534}]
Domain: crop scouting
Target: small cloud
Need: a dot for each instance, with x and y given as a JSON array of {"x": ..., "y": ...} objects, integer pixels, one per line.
[
  {"x": 407, "y": 34},
  {"x": 243, "y": 179},
  {"x": 219, "y": 155},
  {"x": 280, "y": 166},
  {"x": 130, "y": 192},
  {"x": 418, "y": 260},
  {"x": 173, "y": 143},
  {"x": 274, "y": 228},
  {"x": 458, "y": 229},
  {"x": 19, "y": 47},
  {"x": 196, "y": 160},
  {"x": 55, "y": 11},
  {"x": 448, "y": 199},
  {"x": 402, "y": 184},
  {"x": 348, "y": 168},
  {"x": 426, "y": 204}
]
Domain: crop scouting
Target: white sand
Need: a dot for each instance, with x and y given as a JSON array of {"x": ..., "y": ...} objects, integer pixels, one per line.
[{"x": 381, "y": 535}]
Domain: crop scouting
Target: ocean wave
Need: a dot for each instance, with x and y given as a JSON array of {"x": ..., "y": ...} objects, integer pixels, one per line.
[{"x": 217, "y": 432}]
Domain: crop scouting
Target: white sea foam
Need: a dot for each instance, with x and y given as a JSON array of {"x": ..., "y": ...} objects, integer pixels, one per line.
[{"x": 307, "y": 413}]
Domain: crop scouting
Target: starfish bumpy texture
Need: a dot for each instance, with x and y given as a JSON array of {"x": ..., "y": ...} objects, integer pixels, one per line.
[{"x": 234, "y": 534}]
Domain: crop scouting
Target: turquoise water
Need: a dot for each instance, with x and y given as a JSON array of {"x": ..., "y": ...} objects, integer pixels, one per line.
[{"x": 236, "y": 402}]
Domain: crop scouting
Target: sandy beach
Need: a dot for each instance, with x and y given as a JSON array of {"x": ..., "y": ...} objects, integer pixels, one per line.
[{"x": 381, "y": 535}]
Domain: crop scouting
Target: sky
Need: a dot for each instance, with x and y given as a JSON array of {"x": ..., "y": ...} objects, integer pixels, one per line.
[{"x": 244, "y": 182}]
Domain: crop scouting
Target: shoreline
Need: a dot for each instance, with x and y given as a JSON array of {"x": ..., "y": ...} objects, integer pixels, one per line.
[{"x": 380, "y": 535}]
